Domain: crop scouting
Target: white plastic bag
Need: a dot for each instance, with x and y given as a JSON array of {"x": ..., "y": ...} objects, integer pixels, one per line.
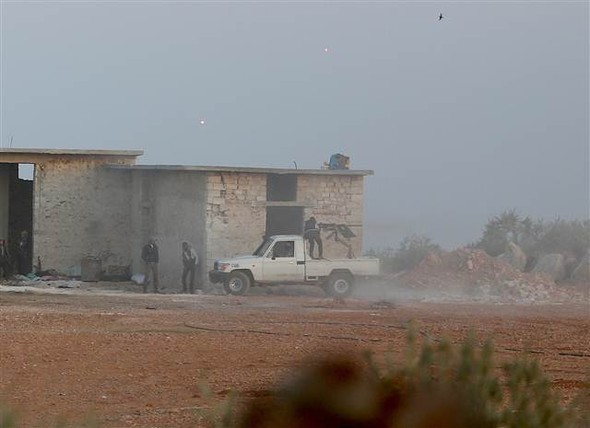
[{"x": 138, "y": 278}]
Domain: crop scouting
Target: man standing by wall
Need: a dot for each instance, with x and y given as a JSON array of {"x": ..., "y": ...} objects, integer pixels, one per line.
[
  {"x": 151, "y": 258},
  {"x": 190, "y": 260}
]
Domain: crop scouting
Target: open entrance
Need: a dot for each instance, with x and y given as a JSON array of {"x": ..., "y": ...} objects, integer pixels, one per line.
[
  {"x": 16, "y": 214},
  {"x": 284, "y": 221}
]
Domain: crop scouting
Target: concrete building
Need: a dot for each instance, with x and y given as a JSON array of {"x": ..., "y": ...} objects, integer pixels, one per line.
[{"x": 101, "y": 204}]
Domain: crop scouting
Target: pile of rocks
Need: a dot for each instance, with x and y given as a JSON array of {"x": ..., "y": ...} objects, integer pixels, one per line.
[{"x": 473, "y": 272}]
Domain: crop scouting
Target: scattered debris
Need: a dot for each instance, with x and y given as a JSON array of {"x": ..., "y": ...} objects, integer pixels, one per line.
[
  {"x": 472, "y": 272},
  {"x": 383, "y": 304}
]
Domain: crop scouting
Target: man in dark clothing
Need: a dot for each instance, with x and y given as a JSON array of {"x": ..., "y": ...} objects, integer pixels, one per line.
[
  {"x": 190, "y": 260},
  {"x": 4, "y": 259},
  {"x": 151, "y": 258},
  {"x": 24, "y": 254},
  {"x": 311, "y": 232}
]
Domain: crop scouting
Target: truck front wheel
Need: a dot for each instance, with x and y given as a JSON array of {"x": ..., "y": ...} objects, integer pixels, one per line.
[
  {"x": 339, "y": 285},
  {"x": 237, "y": 283}
]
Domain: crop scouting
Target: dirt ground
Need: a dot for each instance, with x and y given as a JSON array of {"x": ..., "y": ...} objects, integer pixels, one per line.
[{"x": 108, "y": 355}]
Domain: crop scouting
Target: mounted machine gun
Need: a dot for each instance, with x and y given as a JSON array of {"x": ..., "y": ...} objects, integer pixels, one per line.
[{"x": 341, "y": 233}]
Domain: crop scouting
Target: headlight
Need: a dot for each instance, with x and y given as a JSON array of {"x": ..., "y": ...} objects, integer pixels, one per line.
[{"x": 223, "y": 266}]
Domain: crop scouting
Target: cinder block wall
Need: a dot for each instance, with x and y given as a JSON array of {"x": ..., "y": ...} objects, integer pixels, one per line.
[
  {"x": 334, "y": 199},
  {"x": 236, "y": 214},
  {"x": 80, "y": 209}
]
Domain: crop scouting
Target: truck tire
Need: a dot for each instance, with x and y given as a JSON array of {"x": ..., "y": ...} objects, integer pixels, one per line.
[
  {"x": 237, "y": 283},
  {"x": 340, "y": 285}
]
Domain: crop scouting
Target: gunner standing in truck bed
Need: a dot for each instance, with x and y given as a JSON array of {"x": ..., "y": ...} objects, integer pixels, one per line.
[{"x": 311, "y": 232}]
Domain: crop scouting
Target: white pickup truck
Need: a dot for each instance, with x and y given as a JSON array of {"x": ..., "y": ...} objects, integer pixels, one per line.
[{"x": 282, "y": 259}]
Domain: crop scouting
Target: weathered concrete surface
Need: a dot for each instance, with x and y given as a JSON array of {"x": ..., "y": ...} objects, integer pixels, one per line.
[{"x": 168, "y": 206}]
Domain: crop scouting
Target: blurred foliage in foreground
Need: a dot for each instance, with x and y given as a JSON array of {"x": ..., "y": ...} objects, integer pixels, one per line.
[{"x": 438, "y": 385}]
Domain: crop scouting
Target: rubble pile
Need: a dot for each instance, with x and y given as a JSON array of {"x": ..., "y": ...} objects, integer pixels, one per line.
[{"x": 472, "y": 272}]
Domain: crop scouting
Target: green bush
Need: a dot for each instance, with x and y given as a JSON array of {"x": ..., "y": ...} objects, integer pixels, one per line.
[
  {"x": 507, "y": 227},
  {"x": 411, "y": 251},
  {"x": 535, "y": 237},
  {"x": 563, "y": 236}
]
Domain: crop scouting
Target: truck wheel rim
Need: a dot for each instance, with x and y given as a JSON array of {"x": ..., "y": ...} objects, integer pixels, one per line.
[
  {"x": 341, "y": 286},
  {"x": 235, "y": 284}
]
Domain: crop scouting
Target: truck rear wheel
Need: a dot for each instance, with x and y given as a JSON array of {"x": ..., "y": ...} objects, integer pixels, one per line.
[
  {"x": 237, "y": 283},
  {"x": 339, "y": 285}
]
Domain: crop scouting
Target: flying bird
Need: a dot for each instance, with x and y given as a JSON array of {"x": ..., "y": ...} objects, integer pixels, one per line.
[{"x": 440, "y": 17}]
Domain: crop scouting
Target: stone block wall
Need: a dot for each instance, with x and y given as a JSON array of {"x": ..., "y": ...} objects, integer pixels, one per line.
[
  {"x": 236, "y": 214},
  {"x": 80, "y": 209},
  {"x": 334, "y": 199}
]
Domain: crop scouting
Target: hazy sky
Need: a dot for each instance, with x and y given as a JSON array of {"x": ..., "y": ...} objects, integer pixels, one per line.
[{"x": 461, "y": 119}]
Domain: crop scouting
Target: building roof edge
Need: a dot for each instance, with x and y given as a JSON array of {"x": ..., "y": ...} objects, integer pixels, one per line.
[
  {"x": 72, "y": 152},
  {"x": 238, "y": 169}
]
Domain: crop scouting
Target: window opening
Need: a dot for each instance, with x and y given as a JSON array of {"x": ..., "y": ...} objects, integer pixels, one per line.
[{"x": 281, "y": 187}]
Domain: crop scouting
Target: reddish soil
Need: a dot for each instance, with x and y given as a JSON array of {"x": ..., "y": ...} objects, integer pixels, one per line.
[{"x": 133, "y": 360}]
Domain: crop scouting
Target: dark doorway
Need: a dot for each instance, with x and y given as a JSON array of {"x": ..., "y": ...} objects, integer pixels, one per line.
[
  {"x": 284, "y": 221},
  {"x": 16, "y": 215}
]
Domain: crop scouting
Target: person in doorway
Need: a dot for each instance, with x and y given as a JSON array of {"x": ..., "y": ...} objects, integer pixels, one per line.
[
  {"x": 190, "y": 260},
  {"x": 4, "y": 260},
  {"x": 24, "y": 253},
  {"x": 311, "y": 232},
  {"x": 151, "y": 258}
]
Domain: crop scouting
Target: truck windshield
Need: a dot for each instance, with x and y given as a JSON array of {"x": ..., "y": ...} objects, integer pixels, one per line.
[{"x": 263, "y": 247}]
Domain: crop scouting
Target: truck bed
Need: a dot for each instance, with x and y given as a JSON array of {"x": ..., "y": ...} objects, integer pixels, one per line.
[{"x": 362, "y": 266}]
